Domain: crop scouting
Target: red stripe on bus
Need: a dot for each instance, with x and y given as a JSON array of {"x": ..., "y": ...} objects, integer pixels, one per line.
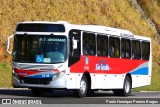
[{"x": 116, "y": 65}]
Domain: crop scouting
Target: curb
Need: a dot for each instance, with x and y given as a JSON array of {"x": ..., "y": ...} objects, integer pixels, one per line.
[
  {"x": 2, "y": 88},
  {"x": 149, "y": 91}
]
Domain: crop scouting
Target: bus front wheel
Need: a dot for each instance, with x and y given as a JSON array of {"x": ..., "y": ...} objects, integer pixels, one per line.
[{"x": 83, "y": 88}]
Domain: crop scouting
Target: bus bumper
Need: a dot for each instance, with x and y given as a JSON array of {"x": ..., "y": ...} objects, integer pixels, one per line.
[{"x": 58, "y": 82}]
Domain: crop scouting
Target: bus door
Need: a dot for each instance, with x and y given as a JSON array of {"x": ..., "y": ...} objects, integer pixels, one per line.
[{"x": 75, "y": 46}]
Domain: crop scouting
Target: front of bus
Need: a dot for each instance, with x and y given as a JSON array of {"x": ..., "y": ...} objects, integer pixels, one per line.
[{"x": 40, "y": 55}]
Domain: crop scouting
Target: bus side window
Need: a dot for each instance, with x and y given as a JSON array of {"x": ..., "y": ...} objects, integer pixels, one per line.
[
  {"x": 89, "y": 47},
  {"x": 102, "y": 45},
  {"x": 136, "y": 49},
  {"x": 125, "y": 48},
  {"x": 114, "y": 47},
  {"x": 145, "y": 50}
]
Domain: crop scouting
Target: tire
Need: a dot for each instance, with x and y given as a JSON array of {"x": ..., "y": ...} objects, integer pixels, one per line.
[
  {"x": 126, "y": 91},
  {"x": 80, "y": 93},
  {"x": 37, "y": 92}
]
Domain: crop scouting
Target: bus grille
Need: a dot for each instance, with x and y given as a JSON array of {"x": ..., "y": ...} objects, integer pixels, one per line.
[
  {"x": 42, "y": 81},
  {"x": 34, "y": 66}
]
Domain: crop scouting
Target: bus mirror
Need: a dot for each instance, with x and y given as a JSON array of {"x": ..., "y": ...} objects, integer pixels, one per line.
[
  {"x": 74, "y": 44},
  {"x": 8, "y": 44}
]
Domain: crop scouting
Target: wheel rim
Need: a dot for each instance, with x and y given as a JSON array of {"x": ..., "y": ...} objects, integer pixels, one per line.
[
  {"x": 127, "y": 86},
  {"x": 83, "y": 86}
]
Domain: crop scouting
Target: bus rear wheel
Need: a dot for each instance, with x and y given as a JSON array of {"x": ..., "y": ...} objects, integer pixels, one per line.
[
  {"x": 126, "y": 91},
  {"x": 83, "y": 88}
]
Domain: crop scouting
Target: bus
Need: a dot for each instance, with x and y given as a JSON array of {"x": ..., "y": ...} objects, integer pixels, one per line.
[{"x": 58, "y": 55}]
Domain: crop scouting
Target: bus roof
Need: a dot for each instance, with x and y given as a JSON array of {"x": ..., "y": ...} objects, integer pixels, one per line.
[
  {"x": 82, "y": 27},
  {"x": 91, "y": 28},
  {"x": 142, "y": 37}
]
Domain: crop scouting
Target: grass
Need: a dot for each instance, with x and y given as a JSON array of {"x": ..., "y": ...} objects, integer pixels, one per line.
[
  {"x": 113, "y": 13},
  {"x": 5, "y": 73}
]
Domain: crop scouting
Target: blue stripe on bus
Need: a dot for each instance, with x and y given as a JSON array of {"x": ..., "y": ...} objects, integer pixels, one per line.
[
  {"x": 141, "y": 71},
  {"x": 40, "y": 76}
]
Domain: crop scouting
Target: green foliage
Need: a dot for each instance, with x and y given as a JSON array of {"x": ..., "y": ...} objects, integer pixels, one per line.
[{"x": 5, "y": 75}]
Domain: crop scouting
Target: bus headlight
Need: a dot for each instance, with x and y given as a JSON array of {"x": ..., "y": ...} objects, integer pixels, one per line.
[
  {"x": 15, "y": 74},
  {"x": 61, "y": 73},
  {"x": 58, "y": 74}
]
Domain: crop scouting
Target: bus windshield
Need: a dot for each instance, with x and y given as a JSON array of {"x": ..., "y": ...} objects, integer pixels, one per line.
[{"x": 40, "y": 48}]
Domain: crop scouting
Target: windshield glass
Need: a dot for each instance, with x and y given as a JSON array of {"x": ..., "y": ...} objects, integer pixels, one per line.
[{"x": 40, "y": 48}]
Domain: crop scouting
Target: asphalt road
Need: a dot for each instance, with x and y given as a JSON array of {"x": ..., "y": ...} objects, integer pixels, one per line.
[
  {"x": 26, "y": 93},
  {"x": 67, "y": 99}
]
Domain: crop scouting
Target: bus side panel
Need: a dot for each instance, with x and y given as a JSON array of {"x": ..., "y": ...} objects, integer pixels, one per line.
[
  {"x": 74, "y": 80},
  {"x": 114, "y": 81},
  {"x": 140, "y": 80},
  {"x": 141, "y": 76},
  {"x": 109, "y": 73},
  {"x": 110, "y": 81},
  {"x": 99, "y": 80}
]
